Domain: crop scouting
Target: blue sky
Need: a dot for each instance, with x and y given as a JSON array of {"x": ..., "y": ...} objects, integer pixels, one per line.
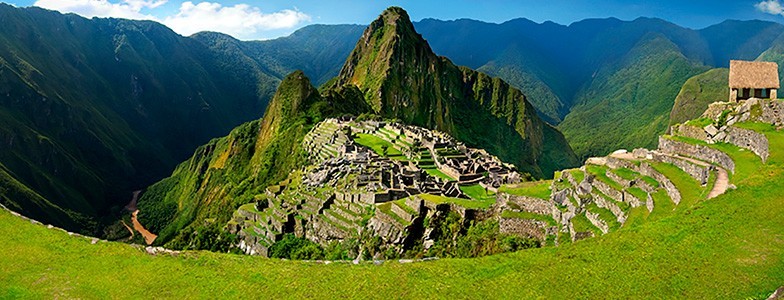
[{"x": 264, "y": 19}]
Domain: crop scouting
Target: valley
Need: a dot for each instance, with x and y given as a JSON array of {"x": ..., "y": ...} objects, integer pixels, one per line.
[{"x": 428, "y": 159}]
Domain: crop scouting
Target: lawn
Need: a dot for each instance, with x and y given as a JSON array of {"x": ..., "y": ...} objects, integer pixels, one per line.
[
  {"x": 467, "y": 203},
  {"x": 538, "y": 189},
  {"x": 477, "y": 192},
  {"x": 437, "y": 173},
  {"x": 377, "y": 144}
]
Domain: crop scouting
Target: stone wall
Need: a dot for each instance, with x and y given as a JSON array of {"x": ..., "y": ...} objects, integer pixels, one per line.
[
  {"x": 523, "y": 227},
  {"x": 531, "y": 204},
  {"x": 749, "y": 139},
  {"x": 698, "y": 172},
  {"x": 631, "y": 199},
  {"x": 690, "y": 132},
  {"x": 617, "y": 163},
  {"x": 387, "y": 228},
  {"x": 604, "y": 203},
  {"x": 697, "y": 151},
  {"x": 402, "y": 213},
  {"x": 618, "y": 179},
  {"x": 597, "y": 221},
  {"x": 607, "y": 190},
  {"x": 665, "y": 183}
]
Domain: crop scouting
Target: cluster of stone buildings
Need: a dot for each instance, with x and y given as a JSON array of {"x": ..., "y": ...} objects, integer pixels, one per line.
[{"x": 352, "y": 167}]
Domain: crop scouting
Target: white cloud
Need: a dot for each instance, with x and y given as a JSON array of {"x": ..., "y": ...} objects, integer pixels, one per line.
[
  {"x": 128, "y": 9},
  {"x": 771, "y": 7},
  {"x": 241, "y": 20}
]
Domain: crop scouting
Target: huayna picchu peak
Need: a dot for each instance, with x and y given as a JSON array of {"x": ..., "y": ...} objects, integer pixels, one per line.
[
  {"x": 402, "y": 159},
  {"x": 402, "y": 78}
]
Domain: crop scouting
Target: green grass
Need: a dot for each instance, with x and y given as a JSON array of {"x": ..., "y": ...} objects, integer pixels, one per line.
[
  {"x": 402, "y": 204},
  {"x": 437, "y": 173},
  {"x": 600, "y": 173},
  {"x": 650, "y": 181},
  {"x": 467, "y": 203},
  {"x": 477, "y": 192},
  {"x": 529, "y": 215},
  {"x": 639, "y": 193},
  {"x": 729, "y": 247},
  {"x": 537, "y": 189},
  {"x": 626, "y": 173},
  {"x": 377, "y": 144},
  {"x": 386, "y": 208},
  {"x": 700, "y": 123},
  {"x": 578, "y": 175},
  {"x": 581, "y": 224}
]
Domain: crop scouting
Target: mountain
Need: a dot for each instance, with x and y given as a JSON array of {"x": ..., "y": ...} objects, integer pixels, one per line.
[
  {"x": 391, "y": 73},
  {"x": 93, "y": 109},
  {"x": 698, "y": 92},
  {"x": 402, "y": 78},
  {"x": 202, "y": 192},
  {"x": 588, "y": 76},
  {"x": 317, "y": 50}
]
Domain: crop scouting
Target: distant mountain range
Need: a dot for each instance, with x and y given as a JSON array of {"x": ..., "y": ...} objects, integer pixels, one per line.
[{"x": 92, "y": 109}]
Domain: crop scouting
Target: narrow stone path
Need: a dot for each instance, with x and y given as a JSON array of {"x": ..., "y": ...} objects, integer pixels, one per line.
[{"x": 722, "y": 182}]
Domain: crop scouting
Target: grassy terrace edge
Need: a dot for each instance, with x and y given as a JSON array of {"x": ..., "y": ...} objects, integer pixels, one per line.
[{"x": 729, "y": 247}]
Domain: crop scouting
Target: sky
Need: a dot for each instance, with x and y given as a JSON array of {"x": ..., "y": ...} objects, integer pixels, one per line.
[{"x": 266, "y": 19}]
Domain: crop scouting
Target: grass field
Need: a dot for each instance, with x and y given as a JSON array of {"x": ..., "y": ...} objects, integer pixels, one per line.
[
  {"x": 538, "y": 189},
  {"x": 729, "y": 247},
  {"x": 377, "y": 144}
]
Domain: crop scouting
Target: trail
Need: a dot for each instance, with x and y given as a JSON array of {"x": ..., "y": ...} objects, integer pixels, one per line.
[
  {"x": 149, "y": 237},
  {"x": 722, "y": 182},
  {"x": 722, "y": 178}
]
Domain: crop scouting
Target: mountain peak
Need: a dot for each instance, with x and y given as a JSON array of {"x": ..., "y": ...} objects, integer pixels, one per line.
[
  {"x": 400, "y": 76},
  {"x": 395, "y": 14}
]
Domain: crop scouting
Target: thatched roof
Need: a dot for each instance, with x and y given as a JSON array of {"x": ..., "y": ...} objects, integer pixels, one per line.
[{"x": 754, "y": 74}]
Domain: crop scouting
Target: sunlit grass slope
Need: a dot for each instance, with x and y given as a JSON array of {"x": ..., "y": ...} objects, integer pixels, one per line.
[{"x": 728, "y": 247}]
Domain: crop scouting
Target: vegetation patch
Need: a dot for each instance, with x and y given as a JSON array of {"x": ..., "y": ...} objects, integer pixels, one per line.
[{"x": 537, "y": 189}]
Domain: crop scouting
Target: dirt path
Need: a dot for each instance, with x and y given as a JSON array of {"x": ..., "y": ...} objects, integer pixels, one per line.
[
  {"x": 149, "y": 237},
  {"x": 722, "y": 182}
]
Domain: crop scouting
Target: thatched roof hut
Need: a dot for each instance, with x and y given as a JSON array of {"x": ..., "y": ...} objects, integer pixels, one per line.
[
  {"x": 754, "y": 74},
  {"x": 753, "y": 79}
]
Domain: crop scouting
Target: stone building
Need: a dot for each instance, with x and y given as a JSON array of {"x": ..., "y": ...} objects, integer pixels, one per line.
[{"x": 753, "y": 79}]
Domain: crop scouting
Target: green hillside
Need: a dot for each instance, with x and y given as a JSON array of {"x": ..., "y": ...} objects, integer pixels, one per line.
[
  {"x": 94, "y": 109},
  {"x": 727, "y": 247},
  {"x": 629, "y": 104},
  {"x": 202, "y": 192},
  {"x": 697, "y": 93}
]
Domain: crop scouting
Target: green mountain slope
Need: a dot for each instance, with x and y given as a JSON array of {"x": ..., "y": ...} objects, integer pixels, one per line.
[
  {"x": 93, "y": 109},
  {"x": 318, "y": 50},
  {"x": 202, "y": 192},
  {"x": 629, "y": 104},
  {"x": 402, "y": 78},
  {"x": 698, "y": 92}
]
